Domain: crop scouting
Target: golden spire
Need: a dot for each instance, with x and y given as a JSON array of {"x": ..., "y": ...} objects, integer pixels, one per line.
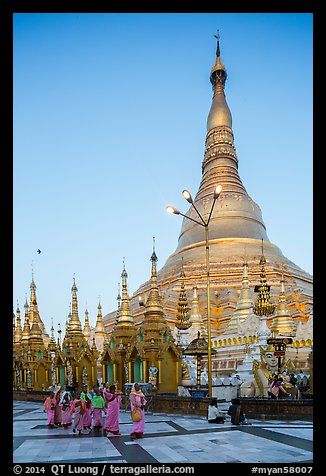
[
  {"x": 154, "y": 301},
  {"x": 282, "y": 323},
  {"x": 183, "y": 321},
  {"x": 87, "y": 327},
  {"x": 18, "y": 328},
  {"x": 119, "y": 304},
  {"x": 26, "y": 329},
  {"x": 13, "y": 325},
  {"x": 34, "y": 315},
  {"x": 94, "y": 348},
  {"x": 219, "y": 114},
  {"x": 244, "y": 304},
  {"x": 99, "y": 328},
  {"x": 74, "y": 323},
  {"x": 235, "y": 215},
  {"x": 35, "y": 333},
  {"x": 245, "y": 300},
  {"x": 195, "y": 316},
  {"x": 124, "y": 309},
  {"x": 52, "y": 343},
  {"x": 32, "y": 301},
  {"x": 263, "y": 307},
  {"x": 67, "y": 326}
]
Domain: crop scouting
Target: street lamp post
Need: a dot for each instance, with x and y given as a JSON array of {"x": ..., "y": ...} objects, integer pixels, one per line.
[{"x": 205, "y": 224}]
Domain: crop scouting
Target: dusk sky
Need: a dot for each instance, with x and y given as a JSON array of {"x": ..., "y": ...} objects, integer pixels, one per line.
[{"x": 110, "y": 116}]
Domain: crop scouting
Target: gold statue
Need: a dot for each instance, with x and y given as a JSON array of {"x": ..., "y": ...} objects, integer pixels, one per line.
[
  {"x": 84, "y": 376},
  {"x": 153, "y": 371},
  {"x": 263, "y": 371},
  {"x": 185, "y": 371},
  {"x": 69, "y": 374}
]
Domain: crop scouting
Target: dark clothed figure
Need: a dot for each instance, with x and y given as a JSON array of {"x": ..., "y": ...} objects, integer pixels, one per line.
[{"x": 236, "y": 413}]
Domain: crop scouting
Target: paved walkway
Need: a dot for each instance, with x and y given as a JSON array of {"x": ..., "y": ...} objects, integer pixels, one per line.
[{"x": 168, "y": 438}]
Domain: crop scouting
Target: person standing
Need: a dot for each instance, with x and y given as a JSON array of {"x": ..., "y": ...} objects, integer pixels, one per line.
[
  {"x": 293, "y": 379},
  {"x": 137, "y": 400},
  {"x": 57, "y": 409},
  {"x": 49, "y": 408},
  {"x": 87, "y": 397},
  {"x": 78, "y": 407},
  {"x": 65, "y": 404},
  {"x": 98, "y": 406},
  {"x": 213, "y": 415},
  {"x": 112, "y": 399}
]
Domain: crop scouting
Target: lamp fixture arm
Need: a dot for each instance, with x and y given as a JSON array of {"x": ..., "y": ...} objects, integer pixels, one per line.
[
  {"x": 192, "y": 219},
  {"x": 210, "y": 214},
  {"x": 202, "y": 219}
]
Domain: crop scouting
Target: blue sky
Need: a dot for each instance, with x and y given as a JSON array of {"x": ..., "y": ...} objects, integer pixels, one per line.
[{"x": 110, "y": 116}]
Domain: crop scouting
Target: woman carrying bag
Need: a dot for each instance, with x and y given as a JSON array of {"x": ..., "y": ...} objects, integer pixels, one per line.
[{"x": 137, "y": 405}]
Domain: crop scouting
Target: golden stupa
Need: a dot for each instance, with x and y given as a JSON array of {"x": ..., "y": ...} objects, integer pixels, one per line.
[{"x": 236, "y": 234}]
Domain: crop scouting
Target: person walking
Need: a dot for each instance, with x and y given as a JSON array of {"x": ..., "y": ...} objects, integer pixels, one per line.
[
  {"x": 112, "y": 399},
  {"x": 87, "y": 397},
  {"x": 57, "y": 409},
  {"x": 137, "y": 401},
  {"x": 65, "y": 403},
  {"x": 98, "y": 406},
  {"x": 213, "y": 415},
  {"x": 236, "y": 413},
  {"x": 49, "y": 408},
  {"x": 78, "y": 407}
]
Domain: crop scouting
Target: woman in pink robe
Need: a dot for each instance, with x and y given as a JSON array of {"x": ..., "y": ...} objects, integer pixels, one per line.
[
  {"x": 57, "y": 409},
  {"x": 78, "y": 407},
  {"x": 112, "y": 399},
  {"x": 137, "y": 400},
  {"x": 49, "y": 407},
  {"x": 65, "y": 403},
  {"x": 87, "y": 397}
]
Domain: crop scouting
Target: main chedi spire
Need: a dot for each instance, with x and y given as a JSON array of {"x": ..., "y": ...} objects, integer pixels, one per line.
[
  {"x": 235, "y": 215},
  {"x": 219, "y": 114},
  {"x": 236, "y": 229}
]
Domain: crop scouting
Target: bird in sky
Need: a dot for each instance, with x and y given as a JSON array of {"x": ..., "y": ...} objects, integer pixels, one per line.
[{"x": 39, "y": 251}]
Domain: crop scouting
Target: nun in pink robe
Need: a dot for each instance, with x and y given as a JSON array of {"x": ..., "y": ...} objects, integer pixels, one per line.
[
  {"x": 57, "y": 410},
  {"x": 78, "y": 407},
  {"x": 49, "y": 408},
  {"x": 137, "y": 400},
  {"x": 65, "y": 403},
  {"x": 112, "y": 399},
  {"x": 87, "y": 397}
]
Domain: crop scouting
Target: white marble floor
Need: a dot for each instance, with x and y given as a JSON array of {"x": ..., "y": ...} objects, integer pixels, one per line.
[{"x": 168, "y": 438}]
